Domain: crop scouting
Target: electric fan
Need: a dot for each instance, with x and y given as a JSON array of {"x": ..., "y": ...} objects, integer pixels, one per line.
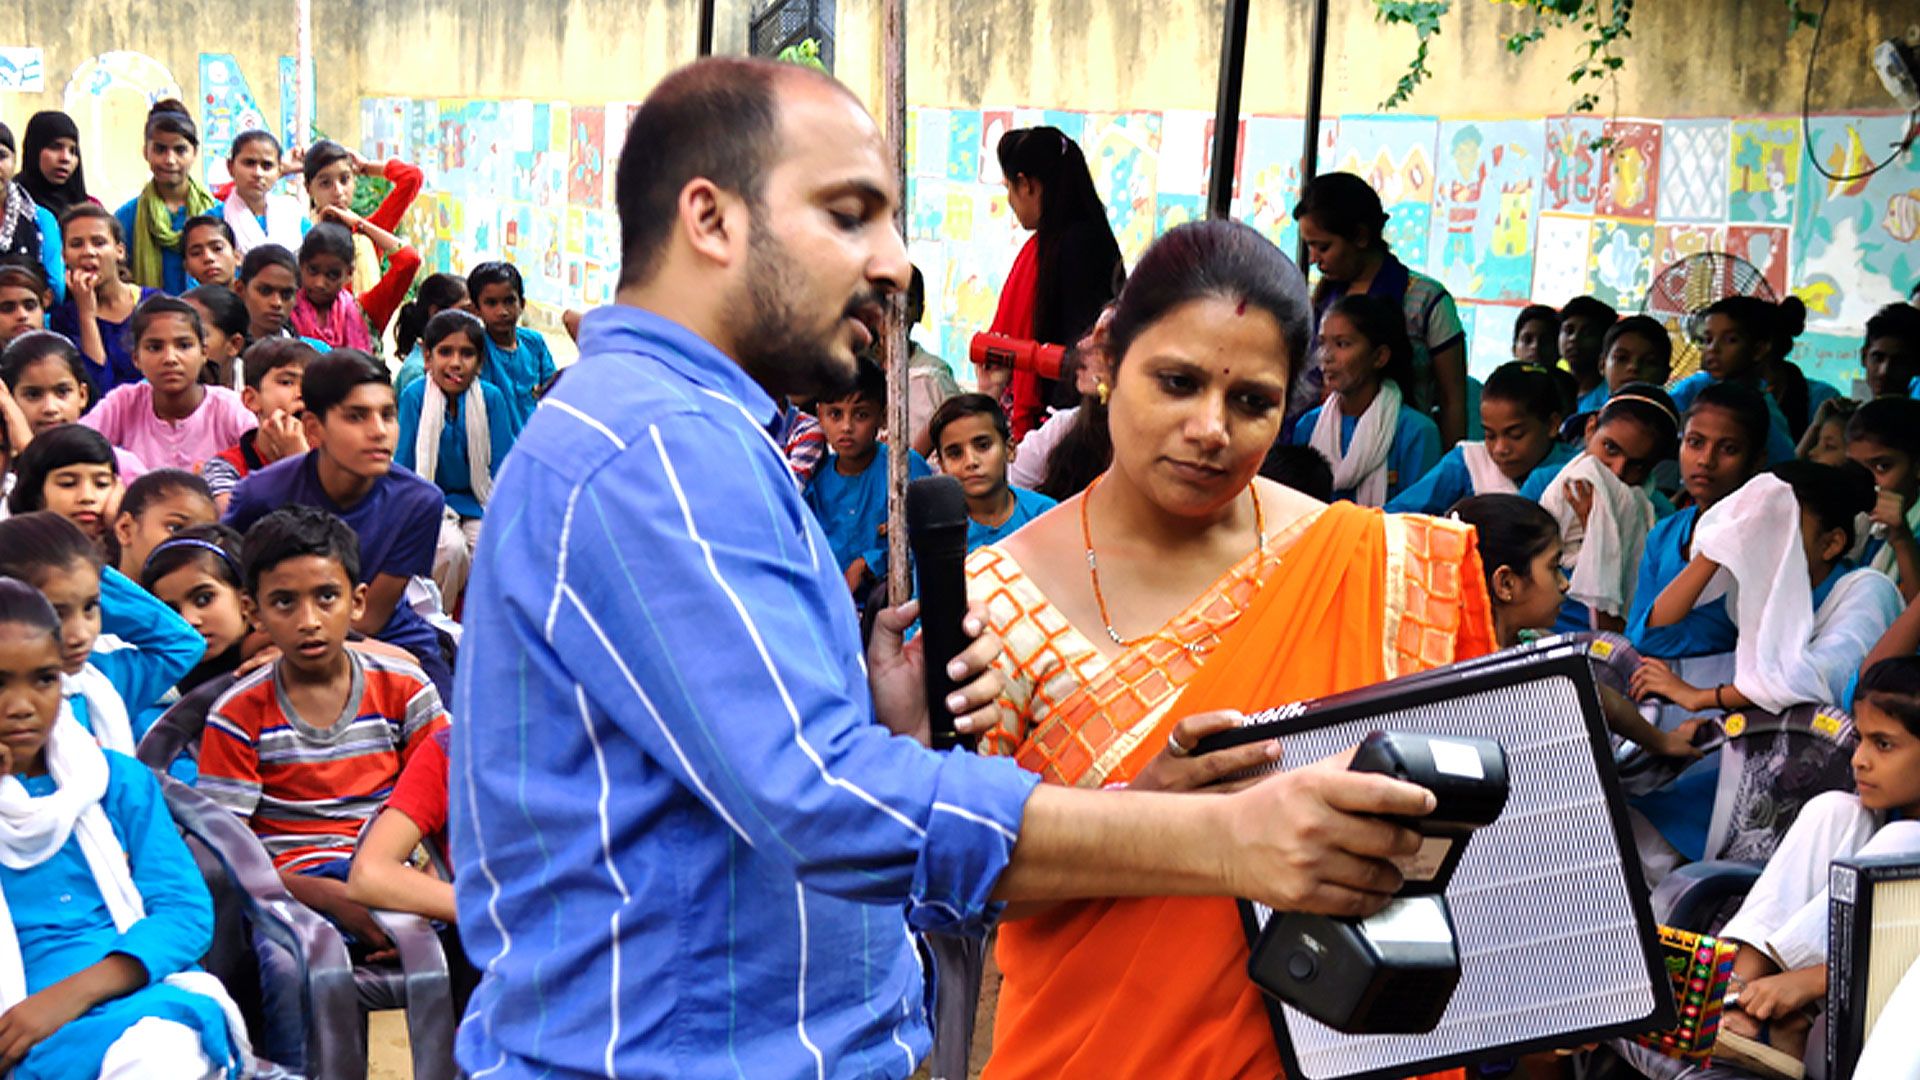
[{"x": 1682, "y": 290}]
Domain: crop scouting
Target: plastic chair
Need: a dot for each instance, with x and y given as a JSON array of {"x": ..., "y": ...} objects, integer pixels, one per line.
[{"x": 334, "y": 1043}]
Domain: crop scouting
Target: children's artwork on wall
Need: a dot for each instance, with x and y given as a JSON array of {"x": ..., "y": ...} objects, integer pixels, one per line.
[
  {"x": 587, "y": 160},
  {"x": 1694, "y": 171},
  {"x": 108, "y": 97},
  {"x": 1071, "y": 124},
  {"x": 1561, "y": 256},
  {"x": 1395, "y": 155},
  {"x": 1833, "y": 358},
  {"x": 1765, "y": 170},
  {"x": 1765, "y": 246},
  {"x": 1484, "y": 206},
  {"x": 383, "y": 127},
  {"x": 1622, "y": 266},
  {"x": 227, "y": 108},
  {"x": 23, "y": 69},
  {"x": 1573, "y": 169},
  {"x": 1489, "y": 330},
  {"x": 1671, "y": 243},
  {"x": 489, "y": 153},
  {"x": 1123, "y": 152},
  {"x": 1183, "y": 153},
  {"x": 1860, "y": 238},
  {"x": 1630, "y": 179},
  {"x": 931, "y": 142},
  {"x": 1239, "y": 159},
  {"x": 1175, "y": 210},
  {"x": 1271, "y": 171},
  {"x": 993, "y": 126},
  {"x": 963, "y": 145}
]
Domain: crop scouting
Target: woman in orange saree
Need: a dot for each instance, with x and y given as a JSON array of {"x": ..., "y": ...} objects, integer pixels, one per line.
[{"x": 1258, "y": 596}]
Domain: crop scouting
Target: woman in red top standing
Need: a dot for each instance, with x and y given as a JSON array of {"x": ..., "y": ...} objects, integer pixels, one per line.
[{"x": 1067, "y": 272}]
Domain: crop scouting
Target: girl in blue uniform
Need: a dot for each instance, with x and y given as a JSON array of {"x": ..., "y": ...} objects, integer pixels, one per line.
[
  {"x": 1377, "y": 444},
  {"x": 1520, "y": 412},
  {"x": 1744, "y": 340}
]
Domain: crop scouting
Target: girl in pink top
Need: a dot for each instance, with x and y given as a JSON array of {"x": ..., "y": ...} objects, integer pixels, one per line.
[{"x": 170, "y": 419}]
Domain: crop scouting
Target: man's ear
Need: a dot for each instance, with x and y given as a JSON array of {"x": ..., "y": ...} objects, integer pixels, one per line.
[{"x": 712, "y": 220}]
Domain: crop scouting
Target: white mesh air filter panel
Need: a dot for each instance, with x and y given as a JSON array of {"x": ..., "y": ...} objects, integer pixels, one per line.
[{"x": 1549, "y": 943}]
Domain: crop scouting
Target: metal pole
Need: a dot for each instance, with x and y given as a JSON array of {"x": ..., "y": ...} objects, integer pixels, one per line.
[
  {"x": 706, "y": 27},
  {"x": 893, "y": 96},
  {"x": 303, "y": 103},
  {"x": 1226, "y": 109},
  {"x": 1316, "y": 85}
]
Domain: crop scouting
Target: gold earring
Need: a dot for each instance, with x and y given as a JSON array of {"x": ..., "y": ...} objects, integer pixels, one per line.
[{"x": 1102, "y": 391}]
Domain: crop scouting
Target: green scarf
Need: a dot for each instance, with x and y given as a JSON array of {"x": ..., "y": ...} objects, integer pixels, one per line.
[{"x": 153, "y": 230}]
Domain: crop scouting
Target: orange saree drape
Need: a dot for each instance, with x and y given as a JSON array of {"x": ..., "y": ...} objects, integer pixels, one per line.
[{"x": 1158, "y": 987}]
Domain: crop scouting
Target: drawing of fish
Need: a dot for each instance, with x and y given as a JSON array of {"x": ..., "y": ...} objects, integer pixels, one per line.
[{"x": 1903, "y": 216}]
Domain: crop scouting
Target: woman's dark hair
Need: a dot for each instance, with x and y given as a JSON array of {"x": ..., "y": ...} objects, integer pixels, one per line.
[
  {"x": 454, "y": 321},
  {"x": 1079, "y": 264},
  {"x": 1382, "y": 323},
  {"x": 1511, "y": 530},
  {"x": 23, "y": 605},
  {"x": 1747, "y": 407},
  {"x": 1533, "y": 387},
  {"x": 149, "y": 488},
  {"x": 263, "y": 256},
  {"x": 224, "y": 307},
  {"x": 160, "y": 304},
  {"x": 437, "y": 293},
  {"x": 23, "y": 272},
  {"x": 1081, "y": 455},
  {"x": 1893, "y": 422},
  {"x": 1047, "y": 155},
  {"x": 170, "y": 117},
  {"x": 1836, "y": 495},
  {"x": 252, "y": 135},
  {"x": 36, "y": 345},
  {"x": 496, "y": 272},
  {"x": 1346, "y": 206},
  {"x": 327, "y": 238},
  {"x": 320, "y": 155},
  {"x": 207, "y": 221},
  {"x": 42, "y": 130},
  {"x": 963, "y": 405},
  {"x": 195, "y": 545},
  {"x": 1778, "y": 325},
  {"x": 55, "y": 448},
  {"x": 1893, "y": 687},
  {"x": 1647, "y": 329},
  {"x": 1301, "y": 468},
  {"x": 1533, "y": 313},
  {"x": 1649, "y": 406},
  {"x": 33, "y": 543}
]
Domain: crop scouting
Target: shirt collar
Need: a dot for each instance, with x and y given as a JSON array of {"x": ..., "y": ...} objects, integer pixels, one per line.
[{"x": 620, "y": 328}]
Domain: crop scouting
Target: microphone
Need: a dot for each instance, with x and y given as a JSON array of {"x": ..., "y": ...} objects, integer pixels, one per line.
[{"x": 937, "y": 534}]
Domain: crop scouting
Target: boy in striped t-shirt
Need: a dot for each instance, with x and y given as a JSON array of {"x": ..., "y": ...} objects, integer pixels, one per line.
[{"x": 307, "y": 748}]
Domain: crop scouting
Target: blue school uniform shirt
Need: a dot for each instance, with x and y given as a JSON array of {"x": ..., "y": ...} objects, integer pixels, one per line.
[
  {"x": 144, "y": 648},
  {"x": 1779, "y": 442},
  {"x": 1593, "y": 400},
  {"x": 454, "y": 473},
  {"x": 851, "y": 509},
  {"x": 673, "y": 663},
  {"x": 1027, "y": 505},
  {"x": 1707, "y": 629},
  {"x": 64, "y": 926},
  {"x": 1415, "y": 449},
  {"x": 115, "y": 337},
  {"x": 398, "y": 523},
  {"x": 173, "y": 263},
  {"x": 1449, "y": 482},
  {"x": 53, "y": 257},
  {"x": 519, "y": 372}
]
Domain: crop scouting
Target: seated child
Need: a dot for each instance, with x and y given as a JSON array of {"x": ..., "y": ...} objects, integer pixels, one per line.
[
  {"x": 455, "y": 429},
  {"x": 224, "y": 317},
  {"x": 155, "y": 507},
  {"x": 272, "y": 370},
  {"x": 1536, "y": 336},
  {"x": 170, "y": 419},
  {"x": 325, "y": 309},
  {"x": 121, "y": 649},
  {"x": 255, "y": 214},
  {"x": 305, "y": 748},
  {"x": 849, "y": 491},
  {"x": 1781, "y": 968},
  {"x": 438, "y": 293},
  {"x": 196, "y": 572},
  {"x": 1890, "y": 351},
  {"x": 1636, "y": 349},
  {"x": 48, "y": 381},
  {"x": 518, "y": 361},
  {"x": 1521, "y": 408},
  {"x": 1804, "y": 615},
  {"x": 1740, "y": 340},
  {"x": 1601, "y": 501},
  {"x": 351, "y": 423},
  {"x": 1300, "y": 468},
  {"x": 25, "y": 297},
  {"x": 70, "y": 470},
  {"x": 1378, "y": 445},
  {"x": 1884, "y": 435},
  {"x": 972, "y": 444},
  {"x": 1584, "y": 323},
  {"x": 207, "y": 243},
  {"x": 1519, "y": 547},
  {"x": 1825, "y": 440},
  {"x": 269, "y": 281},
  {"x": 105, "y": 913},
  {"x": 94, "y": 313}
]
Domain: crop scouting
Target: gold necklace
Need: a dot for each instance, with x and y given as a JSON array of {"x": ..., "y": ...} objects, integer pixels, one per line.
[{"x": 1093, "y": 566}]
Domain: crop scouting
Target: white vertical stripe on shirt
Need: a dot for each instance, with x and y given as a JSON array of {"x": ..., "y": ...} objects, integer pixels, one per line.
[
  {"x": 613, "y": 871},
  {"x": 813, "y": 555},
  {"x": 760, "y": 647},
  {"x": 800, "y": 1022}
]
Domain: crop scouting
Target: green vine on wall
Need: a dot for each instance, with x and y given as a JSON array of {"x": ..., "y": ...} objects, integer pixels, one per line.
[{"x": 1603, "y": 24}]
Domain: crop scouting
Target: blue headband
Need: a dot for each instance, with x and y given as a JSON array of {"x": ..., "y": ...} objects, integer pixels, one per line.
[{"x": 191, "y": 541}]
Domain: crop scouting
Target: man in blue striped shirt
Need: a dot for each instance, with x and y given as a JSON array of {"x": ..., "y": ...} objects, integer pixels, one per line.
[{"x": 694, "y": 829}]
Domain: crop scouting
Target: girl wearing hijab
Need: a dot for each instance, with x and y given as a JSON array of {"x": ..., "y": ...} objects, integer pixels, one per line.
[
  {"x": 26, "y": 228},
  {"x": 50, "y": 163}
]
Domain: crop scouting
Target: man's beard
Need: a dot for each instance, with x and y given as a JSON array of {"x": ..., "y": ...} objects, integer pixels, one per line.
[{"x": 776, "y": 345}]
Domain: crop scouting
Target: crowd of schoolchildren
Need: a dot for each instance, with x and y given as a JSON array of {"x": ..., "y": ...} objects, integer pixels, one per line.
[{"x": 212, "y": 474}]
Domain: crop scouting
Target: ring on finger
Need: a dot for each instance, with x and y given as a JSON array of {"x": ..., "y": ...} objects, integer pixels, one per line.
[{"x": 1174, "y": 749}]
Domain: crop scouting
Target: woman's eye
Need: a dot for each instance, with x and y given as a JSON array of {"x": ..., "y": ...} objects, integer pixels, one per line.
[
  {"x": 1176, "y": 383},
  {"x": 1256, "y": 404}
]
